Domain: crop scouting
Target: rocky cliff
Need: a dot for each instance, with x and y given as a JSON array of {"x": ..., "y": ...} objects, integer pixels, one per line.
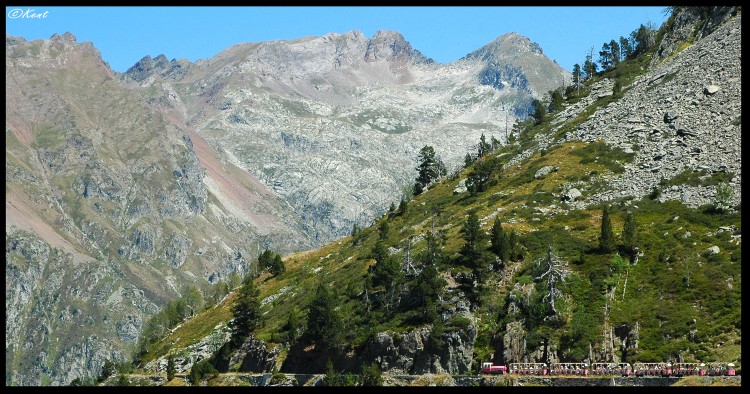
[
  {"x": 113, "y": 207},
  {"x": 682, "y": 116},
  {"x": 333, "y": 124}
]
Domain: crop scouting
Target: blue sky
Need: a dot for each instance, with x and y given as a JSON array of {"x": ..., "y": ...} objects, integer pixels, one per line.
[{"x": 124, "y": 35}]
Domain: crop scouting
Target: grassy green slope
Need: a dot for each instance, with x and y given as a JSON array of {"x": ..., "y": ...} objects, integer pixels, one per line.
[
  {"x": 672, "y": 283},
  {"x": 685, "y": 302}
]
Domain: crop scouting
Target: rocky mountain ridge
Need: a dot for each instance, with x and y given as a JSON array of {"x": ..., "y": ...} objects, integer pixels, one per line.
[
  {"x": 332, "y": 116},
  {"x": 133, "y": 205}
]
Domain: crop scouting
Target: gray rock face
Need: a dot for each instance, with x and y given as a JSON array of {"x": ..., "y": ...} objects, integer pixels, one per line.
[
  {"x": 687, "y": 25},
  {"x": 185, "y": 358},
  {"x": 674, "y": 125},
  {"x": 129, "y": 329},
  {"x": 253, "y": 356},
  {"x": 42, "y": 285},
  {"x": 337, "y": 121},
  {"x": 391, "y": 46},
  {"x": 412, "y": 352},
  {"x": 109, "y": 194}
]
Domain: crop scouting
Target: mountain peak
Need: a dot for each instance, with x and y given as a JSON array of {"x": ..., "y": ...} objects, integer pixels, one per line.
[
  {"x": 391, "y": 45},
  {"x": 67, "y": 37},
  {"x": 509, "y": 45}
]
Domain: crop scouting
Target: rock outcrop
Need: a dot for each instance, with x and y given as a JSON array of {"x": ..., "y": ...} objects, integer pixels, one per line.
[{"x": 681, "y": 116}]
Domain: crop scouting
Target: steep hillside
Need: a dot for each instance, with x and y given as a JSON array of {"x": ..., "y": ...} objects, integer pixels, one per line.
[
  {"x": 620, "y": 242},
  {"x": 112, "y": 208}
]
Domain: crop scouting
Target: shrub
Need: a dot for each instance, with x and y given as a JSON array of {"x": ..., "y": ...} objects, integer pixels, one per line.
[{"x": 201, "y": 369}]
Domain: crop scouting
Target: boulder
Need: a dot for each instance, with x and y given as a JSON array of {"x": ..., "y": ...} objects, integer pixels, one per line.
[
  {"x": 571, "y": 195},
  {"x": 542, "y": 172},
  {"x": 711, "y": 89},
  {"x": 712, "y": 250}
]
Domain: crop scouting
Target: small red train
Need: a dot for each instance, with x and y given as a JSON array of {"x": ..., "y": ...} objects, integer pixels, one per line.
[{"x": 663, "y": 369}]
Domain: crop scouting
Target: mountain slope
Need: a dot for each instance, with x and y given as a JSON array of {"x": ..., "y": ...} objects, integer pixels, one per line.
[
  {"x": 676, "y": 297},
  {"x": 334, "y": 123},
  {"x": 127, "y": 191},
  {"x": 134, "y": 203}
]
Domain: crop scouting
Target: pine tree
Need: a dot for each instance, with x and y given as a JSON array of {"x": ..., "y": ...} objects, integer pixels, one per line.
[
  {"x": 383, "y": 230},
  {"x": 474, "y": 240},
  {"x": 605, "y": 57},
  {"x": 556, "y": 101},
  {"x": 539, "y": 111},
  {"x": 245, "y": 312},
  {"x": 614, "y": 48},
  {"x": 474, "y": 255},
  {"x": 428, "y": 286},
  {"x": 499, "y": 240},
  {"x": 277, "y": 265},
  {"x": 387, "y": 272},
  {"x": 331, "y": 377},
  {"x": 480, "y": 176},
  {"x": 626, "y": 49},
  {"x": 324, "y": 324},
  {"x": 402, "y": 206},
  {"x": 468, "y": 160},
  {"x": 170, "y": 368},
  {"x": 607, "y": 237},
  {"x": 429, "y": 169},
  {"x": 576, "y": 74},
  {"x": 629, "y": 234},
  {"x": 495, "y": 143},
  {"x": 292, "y": 325},
  {"x": 371, "y": 375}
]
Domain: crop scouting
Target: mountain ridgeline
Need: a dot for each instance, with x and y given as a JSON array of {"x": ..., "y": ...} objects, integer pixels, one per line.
[
  {"x": 127, "y": 191},
  {"x": 605, "y": 226}
]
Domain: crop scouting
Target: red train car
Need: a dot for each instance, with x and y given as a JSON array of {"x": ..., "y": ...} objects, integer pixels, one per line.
[
  {"x": 621, "y": 369},
  {"x": 688, "y": 369},
  {"x": 492, "y": 368},
  {"x": 528, "y": 369},
  {"x": 575, "y": 369}
]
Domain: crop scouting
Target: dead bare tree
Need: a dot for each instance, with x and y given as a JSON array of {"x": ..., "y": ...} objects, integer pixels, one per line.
[{"x": 556, "y": 273}]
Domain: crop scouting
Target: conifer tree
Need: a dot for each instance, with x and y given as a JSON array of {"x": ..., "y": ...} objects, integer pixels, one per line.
[
  {"x": 499, "y": 242},
  {"x": 170, "y": 368},
  {"x": 474, "y": 255},
  {"x": 324, "y": 324},
  {"x": 371, "y": 375},
  {"x": 556, "y": 101},
  {"x": 629, "y": 234},
  {"x": 607, "y": 237},
  {"x": 429, "y": 169},
  {"x": 245, "y": 312},
  {"x": 484, "y": 147},
  {"x": 292, "y": 325},
  {"x": 429, "y": 285},
  {"x": 539, "y": 111}
]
